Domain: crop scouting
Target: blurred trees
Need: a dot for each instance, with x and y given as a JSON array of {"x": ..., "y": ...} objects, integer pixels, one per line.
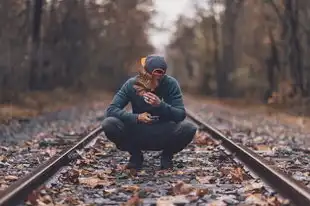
[
  {"x": 71, "y": 43},
  {"x": 252, "y": 48}
]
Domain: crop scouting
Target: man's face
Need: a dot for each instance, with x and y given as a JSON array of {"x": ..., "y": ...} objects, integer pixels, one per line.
[{"x": 158, "y": 73}]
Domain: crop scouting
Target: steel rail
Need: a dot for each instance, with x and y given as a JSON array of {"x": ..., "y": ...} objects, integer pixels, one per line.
[
  {"x": 289, "y": 188},
  {"x": 19, "y": 190}
]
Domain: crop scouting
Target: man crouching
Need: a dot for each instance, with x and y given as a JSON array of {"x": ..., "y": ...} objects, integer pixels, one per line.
[{"x": 157, "y": 119}]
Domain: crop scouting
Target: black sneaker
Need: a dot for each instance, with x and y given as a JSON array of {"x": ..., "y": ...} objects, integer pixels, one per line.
[
  {"x": 135, "y": 161},
  {"x": 166, "y": 162}
]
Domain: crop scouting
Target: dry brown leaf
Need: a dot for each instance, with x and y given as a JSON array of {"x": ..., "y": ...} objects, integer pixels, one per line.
[
  {"x": 72, "y": 176},
  {"x": 107, "y": 171},
  {"x": 218, "y": 203},
  {"x": 110, "y": 191},
  {"x": 86, "y": 161},
  {"x": 3, "y": 186},
  {"x": 262, "y": 148},
  {"x": 100, "y": 143},
  {"x": 202, "y": 138},
  {"x": 10, "y": 178},
  {"x": 100, "y": 154},
  {"x": 256, "y": 199},
  {"x": 170, "y": 200},
  {"x": 72, "y": 201},
  {"x": 237, "y": 175},
  {"x": 104, "y": 176},
  {"x": 130, "y": 188},
  {"x": 254, "y": 187},
  {"x": 131, "y": 172},
  {"x": 201, "y": 192},
  {"x": 40, "y": 203},
  {"x": 45, "y": 200},
  {"x": 85, "y": 172},
  {"x": 66, "y": 189},
  {"x": 205, "y": 179},
  {"x": 182, "y": 188},
  {"x": 274, "y": 201},
  {"x": 225, "y": 170},
  {"x": 34, "y": 196},
  {"x": 50, "y": 151},
  {"x": 94, "y": 182},
  {"x": 133, "y": 201},
  {"x": 28, "y": 143},
  {"x": 3, "y": 158}
]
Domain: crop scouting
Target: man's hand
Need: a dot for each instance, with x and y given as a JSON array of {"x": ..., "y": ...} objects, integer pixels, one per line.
[
  {"x": 151, "y": 99},
  {"x": 144, "y": 117}
]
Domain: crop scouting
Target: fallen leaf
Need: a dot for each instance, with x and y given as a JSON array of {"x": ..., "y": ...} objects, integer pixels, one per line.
[
  {"x": 262, "y": 148},
  {"x": 254, "y": 187},
  {"x": 50, "y": 151},
  {"x": 72, "y": 201},
  {"x": 133, "y": 201},
  {"x": 237, "y": 175},
  {"x": 202, "y": 138},
  {"x": 206, "y": 179},
  {"x": 182, "y": 189},
  {"x": 225, "y": 171},
  {"x": 217, "y": 203},
  {"x": 201, "y": 192},
  {"x": 274, "y": 201},
  {"x": 94, "y": 182},
  {"x": 10, "y": 178},
  {"x": 256, "y": 199},
  {"x": 45, "y": 200},
  {"x": 171, "y": 200},
  {"x": 110, "y": 191},
  {"x": 3, "y": 158},
  {"x": 71, "y": 176},
  {"x": 130, "y": 188},
  {"x": 40, "y": 203}
]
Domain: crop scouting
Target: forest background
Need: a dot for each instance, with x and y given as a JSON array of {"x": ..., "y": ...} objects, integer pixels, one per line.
[{"x": 58, "y": 51}]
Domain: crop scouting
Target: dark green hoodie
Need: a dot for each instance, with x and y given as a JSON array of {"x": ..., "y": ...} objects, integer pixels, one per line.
[{"x": 170, "y": 109}]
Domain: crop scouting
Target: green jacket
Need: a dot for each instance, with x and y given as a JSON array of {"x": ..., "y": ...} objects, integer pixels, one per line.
[{"x": 170, "y": 109}]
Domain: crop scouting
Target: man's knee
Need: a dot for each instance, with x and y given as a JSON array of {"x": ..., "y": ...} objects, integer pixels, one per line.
[
  {"x": 187, "y": 129},
  {"x": 112, "y": 126}
]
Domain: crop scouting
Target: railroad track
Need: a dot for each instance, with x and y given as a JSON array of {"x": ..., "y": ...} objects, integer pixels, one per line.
[
  {"x": 286, "y": 147},
  {"x": 220, "y": 169}
]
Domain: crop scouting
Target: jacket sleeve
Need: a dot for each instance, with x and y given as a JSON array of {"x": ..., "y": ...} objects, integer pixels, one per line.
[
  {"x": 173, "y": 107},
  {"x": 119, "y": 102}
]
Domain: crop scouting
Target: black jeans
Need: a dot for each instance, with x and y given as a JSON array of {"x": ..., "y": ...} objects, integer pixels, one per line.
[{"x": 170, "y": 137}]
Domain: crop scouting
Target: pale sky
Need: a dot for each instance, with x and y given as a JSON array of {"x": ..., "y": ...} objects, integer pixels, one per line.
[{"x": 168, "y": 12}]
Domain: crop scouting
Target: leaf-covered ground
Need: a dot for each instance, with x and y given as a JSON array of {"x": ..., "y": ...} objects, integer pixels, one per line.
[
  {"x": 26, "y": 144},
  {"x": 204, "y": 174},
  {"x": 288, "y": 146}
]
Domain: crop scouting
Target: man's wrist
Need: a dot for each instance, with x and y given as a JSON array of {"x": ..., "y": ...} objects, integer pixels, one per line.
[{"x": 136, "y": 117}]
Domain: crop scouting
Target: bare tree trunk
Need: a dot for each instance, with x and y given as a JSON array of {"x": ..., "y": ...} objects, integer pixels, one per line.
[
  {"x": 216, "y": 58},
  {"x": 294, "y": 49},
  {"x": 272, "y": 65},
  {"x": 35, "y": 64},
  {"x": 228, "y": 38}
]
